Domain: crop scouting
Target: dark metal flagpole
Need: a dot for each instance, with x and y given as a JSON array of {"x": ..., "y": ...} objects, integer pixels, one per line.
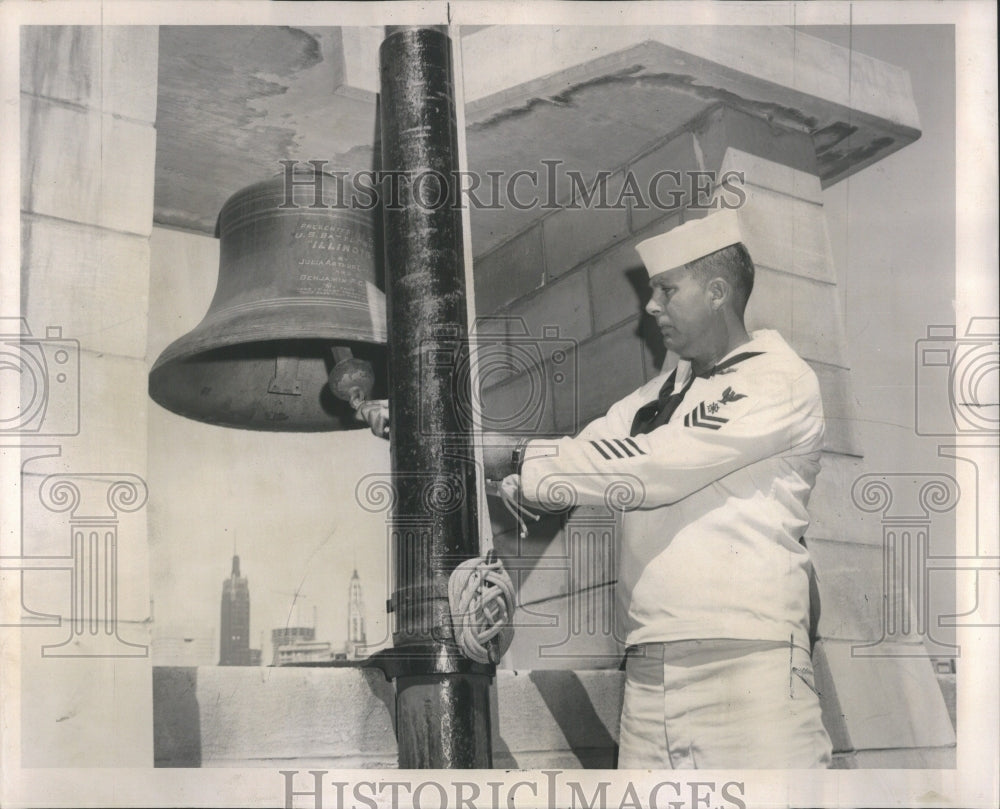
[{"x": 442, "y": 698}]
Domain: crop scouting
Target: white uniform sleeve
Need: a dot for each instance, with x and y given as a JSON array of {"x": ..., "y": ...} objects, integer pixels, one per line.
[{"x": 780, "y": 414}]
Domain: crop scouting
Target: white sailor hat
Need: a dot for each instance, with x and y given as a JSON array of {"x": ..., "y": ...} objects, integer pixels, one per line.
[{"x": 690, "y": 241}]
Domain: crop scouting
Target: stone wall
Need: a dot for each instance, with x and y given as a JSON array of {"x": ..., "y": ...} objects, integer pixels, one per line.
[{"x": 88, "y": 104}]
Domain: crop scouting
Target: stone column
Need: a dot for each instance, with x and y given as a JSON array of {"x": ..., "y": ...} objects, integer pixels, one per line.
[{"x": 88, "y": 106}]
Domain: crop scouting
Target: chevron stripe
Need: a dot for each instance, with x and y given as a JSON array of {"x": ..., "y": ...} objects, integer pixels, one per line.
[
  {"x": 600, "y": 450},
  {"x": 699, "y": 417},
  {"x": 634, "y": 446},
  {"x": 612, "y": 447},
  {"x": 624, "y": 447},
  {"x": 617, "y": 448}
]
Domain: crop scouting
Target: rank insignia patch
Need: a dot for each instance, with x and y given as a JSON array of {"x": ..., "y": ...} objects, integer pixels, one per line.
[{"x": 700, "y": 417}]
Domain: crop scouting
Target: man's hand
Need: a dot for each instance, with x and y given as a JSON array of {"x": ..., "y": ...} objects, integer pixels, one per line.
[{"x": 376, "y": 413}]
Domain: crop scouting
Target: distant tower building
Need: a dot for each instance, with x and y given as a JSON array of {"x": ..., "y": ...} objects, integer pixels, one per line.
[
  {"x": 356, "y": 641},
  {"x": 296, "y": 642},
  {"x": 234, "y": 637}
]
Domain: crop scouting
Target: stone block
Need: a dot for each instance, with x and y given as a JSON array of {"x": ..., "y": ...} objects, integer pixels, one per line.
[
  {"x": 563, "y": 305},
  {"x": 619, "y": 286},
  {"x": 91, "y": 282},
  {"x": 852, "y": 591},
  {"x": 611, "y": 367},
  {"x": 664, "y": 193},
  {"x": 183, "y": 272},
  {"x": 84, "y": 711},
  {"x": 340, "y": 716},
  {"x": 75, "y": 514},
  {"x": 111, "y": 68},
  {"x": 557, "y": 718},
  {"x": 573, "y": 235},
  {"x": 87, "y": 166},
  {"x": 770, "y": 304},
  {"x": 833, "y": 514},
  {"x": 110, "y": 406},
  {"x": 538, "y": 564},
  {"x": 764, "y": 173},
  {"x": 818, "y": 322},
  {"x": 891, "y": 702},
  {"x": 560, "y": 555},
  {"x": 523, "y": 404},
  {"x": 806, "y": 313},
  {"x": 504, "y": 348},
  {"x": 787, "y": 234},
  {"x": 343, "y": 718},
  {"x": 512, "y": 270},
  {"x": 839, "y": 409},
  {"x": 574, "y": 631}
]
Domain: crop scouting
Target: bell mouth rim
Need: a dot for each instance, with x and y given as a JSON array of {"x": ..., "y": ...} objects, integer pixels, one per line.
[
  {"x": 186, "y": 348},
  {"x": 178, "y": 384},
  {"x": 319, "y": 319}
]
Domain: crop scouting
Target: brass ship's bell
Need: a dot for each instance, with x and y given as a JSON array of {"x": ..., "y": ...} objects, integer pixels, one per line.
[{"x": 296, "y": 295}]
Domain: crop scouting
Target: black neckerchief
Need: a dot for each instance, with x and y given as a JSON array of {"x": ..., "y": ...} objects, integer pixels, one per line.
[{"x": 656, "y": 414}]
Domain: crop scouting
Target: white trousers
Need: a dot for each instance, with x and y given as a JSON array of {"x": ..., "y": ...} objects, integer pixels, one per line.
[{"x": 721, "y": 705}]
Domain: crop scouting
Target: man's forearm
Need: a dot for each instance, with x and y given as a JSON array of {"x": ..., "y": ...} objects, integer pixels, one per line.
[{"x": 500, "y": 454}]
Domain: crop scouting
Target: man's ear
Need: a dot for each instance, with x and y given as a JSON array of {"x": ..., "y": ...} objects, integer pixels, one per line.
[{"x": 719, "y": 292}]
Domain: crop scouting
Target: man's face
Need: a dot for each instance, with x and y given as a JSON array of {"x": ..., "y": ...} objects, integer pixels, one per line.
[{"x": 680, "y": 304}]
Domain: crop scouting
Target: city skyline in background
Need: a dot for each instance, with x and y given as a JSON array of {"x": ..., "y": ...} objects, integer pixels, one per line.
[{"x": 230, "y": 641}]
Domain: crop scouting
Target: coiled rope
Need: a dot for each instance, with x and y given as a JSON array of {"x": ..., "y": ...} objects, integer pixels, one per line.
[{"x": 481, "y": 596}]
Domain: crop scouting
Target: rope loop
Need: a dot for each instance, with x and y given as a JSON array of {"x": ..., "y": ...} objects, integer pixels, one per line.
[{"x": 510, "y": 495}]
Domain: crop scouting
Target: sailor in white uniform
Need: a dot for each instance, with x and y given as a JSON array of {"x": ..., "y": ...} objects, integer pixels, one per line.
[
  {"x": 713, "y": 581},
  {"x": 718, "y": 458}
]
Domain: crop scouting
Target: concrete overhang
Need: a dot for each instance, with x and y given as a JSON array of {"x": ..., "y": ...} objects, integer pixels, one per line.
[{"x": 233, "y": 101}]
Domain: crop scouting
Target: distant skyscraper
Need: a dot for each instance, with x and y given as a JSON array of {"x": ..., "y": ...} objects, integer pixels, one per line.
[
  {"x": 234, "y": 637},
  {"x": 356, "y": 641}
]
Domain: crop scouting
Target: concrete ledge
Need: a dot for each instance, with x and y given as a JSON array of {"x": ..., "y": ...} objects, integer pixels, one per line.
[
  {"x": 776, "y": 55},
  {"x": 344, "y": 718},
  {"x": 839, "y": 97}
]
